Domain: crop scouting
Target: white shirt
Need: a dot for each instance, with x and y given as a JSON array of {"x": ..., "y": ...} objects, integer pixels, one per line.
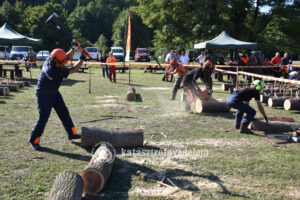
[
  {"x": 201, "y": 58},
  {"x": 184, "y": 60},
  {"x": 168, "y": 58}
]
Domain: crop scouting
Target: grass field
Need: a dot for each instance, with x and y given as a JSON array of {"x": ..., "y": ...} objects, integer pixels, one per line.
[{"x": 221, "y": 164}]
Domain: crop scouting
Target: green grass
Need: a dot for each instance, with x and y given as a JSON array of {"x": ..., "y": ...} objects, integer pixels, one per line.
[{"x": 237, "y": 166}]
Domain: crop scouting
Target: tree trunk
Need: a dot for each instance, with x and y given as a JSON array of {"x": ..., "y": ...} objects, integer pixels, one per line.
[
  {"x": 67, "y": 185},
  {"x": 130, "y": 95},
  {"x": 292, "y": 104},
  {"x": 3, "y": 91},
  {"x": 274, "y": 126},
  {"x": 276, "y": 101},
  {"x": 118, "y": 138},
  {"x": 98, "y": 170},
  {"x": 14, "y": 88},
  {"x": 279, "y": 118},
  {"x": 211, "y": 105}
]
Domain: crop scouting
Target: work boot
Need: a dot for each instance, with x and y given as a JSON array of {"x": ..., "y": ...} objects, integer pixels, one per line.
[
  {"x": 172, "y": 98},
  {"x": 245, "y": 130},
  {"x": 36, "y": 147},
  {"x": 74, "y": 137}
]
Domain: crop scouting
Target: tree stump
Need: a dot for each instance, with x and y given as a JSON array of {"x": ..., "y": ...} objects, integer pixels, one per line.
[
  {"x": 292, "y": 104},
  {"x": 14, "y": 88},
  {"x": 207, "y": 106},
  {"x": 276, "y": 101},
  {"x": 274, "y": 126},
  {"x": 68, "y": 186},
  {"x": 98, "y": 170},
  {"x": 117, "y": 138},
  {"x": 130, "y": 95}
]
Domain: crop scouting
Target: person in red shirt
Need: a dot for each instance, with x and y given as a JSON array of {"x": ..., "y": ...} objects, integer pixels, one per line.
[
  {"x": 276, "y": 61},
  {"x": 180, "y": 71},
  {"x": 112, "y": 69}
]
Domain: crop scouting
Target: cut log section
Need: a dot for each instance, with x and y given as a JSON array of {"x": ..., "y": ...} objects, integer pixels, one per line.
[
  {"x": 226, "y": 87},
  {"x": 118, "y": 138},
  {"x": 274, "y": 126},
  {"x": 264, "y": 98},
  {"x": 13, "y": 88},
  {"x": 67, "y": 185},
  {"x": 130, "y": 95},
  {"x": 21, "y": 84},
  {"x": 98, "y": 170},
  {"x": 211, "y": 105},
  {"x": 292, "y": 104},
  {"x": 276, "y": 101},
  {"x": 3, "y": 91},
  {"x": 278, "y": 118}
]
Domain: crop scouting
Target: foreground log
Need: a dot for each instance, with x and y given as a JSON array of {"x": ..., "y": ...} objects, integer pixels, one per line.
[
  {"x": 130, "y": 95},
  {"x": 14, "y": 88},
  {"x": 278, "y": 118},
  {"x": 276, "y": 101},
  {"x": 292, "y": 104},
  {"x": 211, "y": 105},
  {"x": 98, "y": 170},
  {"x": 118, "y": 138},
  {"x": 274, "y": 126},
  {"x": 67, "y": 185}
]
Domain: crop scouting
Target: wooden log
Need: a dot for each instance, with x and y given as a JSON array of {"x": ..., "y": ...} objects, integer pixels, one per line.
[
  {"x": 292, "y": 104},
  {"x": 231, "y": 90},
  {"x": 220, "y": 76},
  {"x": 274, "y": 126},
  {"x": 211, "y": 105},
  {"x": 67, "y": 185},
  {"x": 264, "y": 98},
  {"x": 3, "y": 91},
  {"x": 98, "y": 170},
  {"x": 276, "y": 101},
  {"x": 226, "y": 86},
  {"x": 278, "y": 118},
  {"x": 130, "y": 95},
  {"x": 118, "y": 138},
  {"x": 21, "y": 84},
  {"x": 14, "y": 88}
]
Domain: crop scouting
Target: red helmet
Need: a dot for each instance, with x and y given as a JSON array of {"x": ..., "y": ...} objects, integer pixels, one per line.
[
  {"x": 173, "y": 62},
  {"x": 59, "y": 56}
]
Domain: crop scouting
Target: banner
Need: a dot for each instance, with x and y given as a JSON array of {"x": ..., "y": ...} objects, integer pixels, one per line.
[{"x": 128, "y": 38}]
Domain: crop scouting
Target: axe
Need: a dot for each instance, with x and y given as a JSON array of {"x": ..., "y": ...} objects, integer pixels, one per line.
[{"x": 51, "y": 20}]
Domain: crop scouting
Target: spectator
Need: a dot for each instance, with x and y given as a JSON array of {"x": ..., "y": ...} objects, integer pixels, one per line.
[
  {"x": 104, "y": 66},
  {"x": 201, "y": 57},
  {"x": 287, "y": 65},
  {"x": 168, "y": 59},
  {"x": 254, "y": 62},
  {"x": 184, "y": 59},
  {"x": 176, "y": 55},
  {"x": 112, "y": 69},
  {"x": 245, "y": 62},
  {"x": 276, "y": 62}
]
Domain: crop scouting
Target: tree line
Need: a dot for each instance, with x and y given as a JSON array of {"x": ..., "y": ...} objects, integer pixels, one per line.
[{"x": 160, "y": 25}]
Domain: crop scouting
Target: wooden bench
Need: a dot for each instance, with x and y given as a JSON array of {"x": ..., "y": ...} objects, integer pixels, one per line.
[{"x": 13, "y": 72}]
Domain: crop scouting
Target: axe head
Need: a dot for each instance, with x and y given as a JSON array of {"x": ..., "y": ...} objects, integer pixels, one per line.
[{"x": 52, "y": 18}]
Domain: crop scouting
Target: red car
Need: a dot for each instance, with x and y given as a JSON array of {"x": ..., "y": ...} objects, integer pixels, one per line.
[{"x": 142, "y": 55}]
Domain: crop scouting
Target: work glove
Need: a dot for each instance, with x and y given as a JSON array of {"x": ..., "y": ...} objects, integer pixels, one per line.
[
  {"x": 84, "y": 55},
  {"x": 267, "y": 121}
]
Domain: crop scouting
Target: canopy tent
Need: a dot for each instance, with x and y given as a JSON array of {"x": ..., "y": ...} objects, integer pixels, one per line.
[
  {"x": 225, "y": 41},
  {"x": 9, "y": 36}
]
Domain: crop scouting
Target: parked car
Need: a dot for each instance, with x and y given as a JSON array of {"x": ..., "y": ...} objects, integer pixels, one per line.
[
  {"x": 19, "y": 52},
  {"x": 42, "y": 55},
  {"x": 94, "y": 53},
  {"x": 118, "y": 53},
  {"x": 142, "y": 55}
]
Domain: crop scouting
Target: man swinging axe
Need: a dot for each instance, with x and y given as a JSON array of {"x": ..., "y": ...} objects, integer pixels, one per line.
[
  {"x": 240, "y": 101},
  {"x": 48, "y": 95},
  {"x": 180, "y": 71},
  {"x": 191, "y": 87}
]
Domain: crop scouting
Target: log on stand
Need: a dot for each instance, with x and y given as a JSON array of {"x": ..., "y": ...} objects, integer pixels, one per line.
[
  {"x": 276, "y": 101},
  {"x": 211, "y": 105},
  {"x": 130, "y": 95},
  {"x": 98, "y": 170},
  {"x": 13, "y": 88},
  {"x": 226, "y": 86},
  {"x": 67, "y": 185},
  {"x": 264, "y": 98},
  {"x": 4, "y": 91},
  {"x": 274, "y": 126},
  {"x": 292, "y": 104},
  {"x": 118, "y": 138}
]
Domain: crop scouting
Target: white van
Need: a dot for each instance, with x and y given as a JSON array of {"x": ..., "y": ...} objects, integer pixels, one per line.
[
  {"x": 118, "y": 53},
  {"x": 19, "y": 52},
  {"x": 94, "y": 53}
]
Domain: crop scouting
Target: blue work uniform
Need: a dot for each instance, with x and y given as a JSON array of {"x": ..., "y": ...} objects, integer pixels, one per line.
[
  {"x": 49, "y": 97},
  {"x": 237, "y": 99}
]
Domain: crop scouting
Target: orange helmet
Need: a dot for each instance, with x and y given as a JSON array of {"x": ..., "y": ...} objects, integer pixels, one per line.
[
  {"x": 173, "y": 62},
  {"x": 59, "y": 56}
]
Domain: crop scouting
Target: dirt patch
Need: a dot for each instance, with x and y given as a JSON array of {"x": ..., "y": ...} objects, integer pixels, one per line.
[
  {"x": 294, "y": 192},
  {"x": 111, "y": 105},
  {"x": 108, "y": 101},
  {"x": 156, "y": 88},
  {"x": 106, "y": 97},
  {"x": 162, "y": 191}
]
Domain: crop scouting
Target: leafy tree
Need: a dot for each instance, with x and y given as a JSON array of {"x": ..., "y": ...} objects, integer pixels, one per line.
[{"x": 101, "y": 43}]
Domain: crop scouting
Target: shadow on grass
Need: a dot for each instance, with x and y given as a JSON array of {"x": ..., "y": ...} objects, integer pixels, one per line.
[
  {"x": 227, "y": 115},
  {"x": 74, "y": 156},
  {"x": 70, "y": 82},
  {"x": 138, "y": 98},
  {"x": 2, "y": 102}
]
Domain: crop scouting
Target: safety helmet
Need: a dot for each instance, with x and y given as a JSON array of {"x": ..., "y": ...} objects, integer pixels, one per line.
[
  {"x": 259, "y": 85},
  {"x": 173, "y": 62},
  {"x": 59, "y": 56}
]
